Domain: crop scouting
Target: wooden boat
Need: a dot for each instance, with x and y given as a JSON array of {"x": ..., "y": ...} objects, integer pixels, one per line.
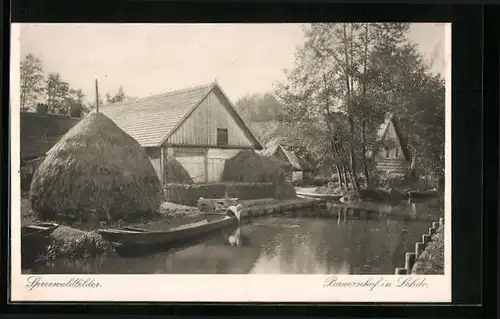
[
  {"x": 37, "y": 232},
  {"x": 138, "y": 236},
  {"x": 329, "y": 197}
]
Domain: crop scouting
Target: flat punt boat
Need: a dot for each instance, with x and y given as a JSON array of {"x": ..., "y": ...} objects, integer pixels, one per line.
[
  {"x": 138, "y": 236},
  {"x": 37, "y": 232}
]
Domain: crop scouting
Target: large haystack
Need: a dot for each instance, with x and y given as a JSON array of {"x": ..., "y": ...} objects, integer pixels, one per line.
[
  {"x": 96, "y": 169},
  {"x": 249, "y": 166},
  {"x": 174, "y": 172}
]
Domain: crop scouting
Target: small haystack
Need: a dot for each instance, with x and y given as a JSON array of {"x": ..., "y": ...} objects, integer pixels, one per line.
[
  {"x": 174, "y": 172},
  {"x": 249, "y": 166},
  {"x": 96, "y": 169}
]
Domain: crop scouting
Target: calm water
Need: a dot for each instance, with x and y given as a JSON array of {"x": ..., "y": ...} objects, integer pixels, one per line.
[{"x": 288, "y": 245}]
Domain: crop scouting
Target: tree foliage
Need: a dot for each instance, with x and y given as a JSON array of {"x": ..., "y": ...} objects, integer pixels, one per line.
[
  {"x": 32, "y": 86},
  {"x": 57, "y": 93},
  {"x": 259, "y": 107},
  {"x": 118, "y": 96},
  {"x": 346, "y": 77}
]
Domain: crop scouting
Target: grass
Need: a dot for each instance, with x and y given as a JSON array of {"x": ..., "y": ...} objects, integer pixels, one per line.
[{"x": 431, "y": 261}]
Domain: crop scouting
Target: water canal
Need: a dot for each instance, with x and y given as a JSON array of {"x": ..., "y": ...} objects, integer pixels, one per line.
[{"x": 345, "y": 244}]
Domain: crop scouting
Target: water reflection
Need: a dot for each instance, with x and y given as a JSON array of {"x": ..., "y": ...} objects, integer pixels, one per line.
[{"x": 350, "y": 241}]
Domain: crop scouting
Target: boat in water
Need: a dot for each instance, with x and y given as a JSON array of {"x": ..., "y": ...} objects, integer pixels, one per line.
[
  {"x": 36, "y": 233},
  {"x": 138, "y": 236}
]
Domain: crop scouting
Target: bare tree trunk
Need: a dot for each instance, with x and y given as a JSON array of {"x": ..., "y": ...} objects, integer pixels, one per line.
[
  {"x": 346, "y": 180},
  {"x": 363, "y": 156},
  {"x": 339, "y": 177},
  {"x": 363, "y": 124},
  {"x": 349, "y": 113}
]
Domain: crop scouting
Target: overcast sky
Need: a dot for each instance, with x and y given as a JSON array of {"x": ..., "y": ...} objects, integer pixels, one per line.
[{"x": 149, "y": 59}]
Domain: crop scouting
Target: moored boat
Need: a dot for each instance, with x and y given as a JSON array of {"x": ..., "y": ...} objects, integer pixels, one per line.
[
  {"x": 138, "y": 236},
  {"x": 37, "y": 232}
]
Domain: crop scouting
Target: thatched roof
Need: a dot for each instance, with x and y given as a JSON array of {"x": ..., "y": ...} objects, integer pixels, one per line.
[{"x": 96, "y": 168}]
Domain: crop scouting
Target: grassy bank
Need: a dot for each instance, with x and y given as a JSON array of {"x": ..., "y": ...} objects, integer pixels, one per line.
[{"x": 431, "y": 261}]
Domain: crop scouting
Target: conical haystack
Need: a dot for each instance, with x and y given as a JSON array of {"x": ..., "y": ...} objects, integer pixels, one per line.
[
  {"x": 248, "y": 166},
  {"x": 98, "y": 169}
]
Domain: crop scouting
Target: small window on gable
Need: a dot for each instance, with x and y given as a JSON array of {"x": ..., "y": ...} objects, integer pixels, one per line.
[
  {"x": 397, "y": 152},
  {"x": 222, "y": 137},
  {"x": 387, "y": 152}
]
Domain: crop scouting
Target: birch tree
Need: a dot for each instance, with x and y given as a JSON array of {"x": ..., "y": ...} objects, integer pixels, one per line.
[{"x": 31, "y": 80}]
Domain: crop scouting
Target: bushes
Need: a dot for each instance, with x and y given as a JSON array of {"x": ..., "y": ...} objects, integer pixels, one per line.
[
  {"x": 66, "y": 242},
  {"x": 431, "y": 261},
  {"x": 188, "y": 194}
]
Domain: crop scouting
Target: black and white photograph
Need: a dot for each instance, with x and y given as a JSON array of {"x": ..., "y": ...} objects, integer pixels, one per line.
[{"x": 232, "y": 149}]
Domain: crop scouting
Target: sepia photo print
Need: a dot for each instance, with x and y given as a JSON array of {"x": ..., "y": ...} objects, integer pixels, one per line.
[{"x": 316, "y": 150}]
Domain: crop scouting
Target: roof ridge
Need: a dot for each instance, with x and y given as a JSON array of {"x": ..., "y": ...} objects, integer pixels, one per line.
[{"x": 162, "y": 95}]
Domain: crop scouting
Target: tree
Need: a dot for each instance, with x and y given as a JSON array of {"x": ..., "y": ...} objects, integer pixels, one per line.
[
  {"x": 32, "y": 85},
  {"x": 57, "y": 93},
  {"x": 345, "y": 78},
  {"x": 75, "y": 101},
  {"x": 259, "y": 107},
  {"x": 118, "y": 96}
]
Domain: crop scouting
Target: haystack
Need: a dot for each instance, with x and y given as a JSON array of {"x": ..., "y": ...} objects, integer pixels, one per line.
[
  {"x": 174, "y": 172},
  {"x": 248, "y": 166},
  {"x": 96, "y": 169}
]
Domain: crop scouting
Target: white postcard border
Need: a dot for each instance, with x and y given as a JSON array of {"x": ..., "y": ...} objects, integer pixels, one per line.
[{"x": 221, "y": 288}]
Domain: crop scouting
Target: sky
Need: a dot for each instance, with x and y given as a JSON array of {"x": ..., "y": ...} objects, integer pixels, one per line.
[{"x": 152, "y": 58}]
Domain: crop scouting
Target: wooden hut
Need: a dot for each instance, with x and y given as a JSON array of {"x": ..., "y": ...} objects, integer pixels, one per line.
[
  {"x": 298, "y": 169},
  {"x": 391, "y": 154}
]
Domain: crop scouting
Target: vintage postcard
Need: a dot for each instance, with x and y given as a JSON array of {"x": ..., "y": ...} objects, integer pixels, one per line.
[{"x": 276, "y": 162}]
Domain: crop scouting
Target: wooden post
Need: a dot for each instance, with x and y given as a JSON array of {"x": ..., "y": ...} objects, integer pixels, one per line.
[
  {"x": 426, "y": 239},
  {"x": 419, "y": 248},
  {"x": 409, "y": 261},
  {"x": 162, "y": 166},
  {"x": 441, "y": 221},
  {"x": 432, "y": 231},
  {"x": 96, "y": 96},
  {"x": 435, "y": 225},
  {"x": 401, "y": 271}
]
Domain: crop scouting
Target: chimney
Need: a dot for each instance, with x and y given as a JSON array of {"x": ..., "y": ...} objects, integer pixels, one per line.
[{"x": 41, "y": 109}]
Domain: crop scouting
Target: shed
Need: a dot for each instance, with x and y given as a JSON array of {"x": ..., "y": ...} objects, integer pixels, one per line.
[
  {"x": 298, "y": 166},
  {"x": 198, "y": 127}
]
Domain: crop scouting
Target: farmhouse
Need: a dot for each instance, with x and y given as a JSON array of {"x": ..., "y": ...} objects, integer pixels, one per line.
[
  {"x": 39, "y": 132},
  {"x": 391, "y": 152},
  {"x": 298, "y": 168},
  {"x": 198, "y": 127}
]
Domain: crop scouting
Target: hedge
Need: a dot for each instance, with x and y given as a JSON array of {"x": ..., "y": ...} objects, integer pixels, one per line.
[{"x": 188, "y": 194}]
